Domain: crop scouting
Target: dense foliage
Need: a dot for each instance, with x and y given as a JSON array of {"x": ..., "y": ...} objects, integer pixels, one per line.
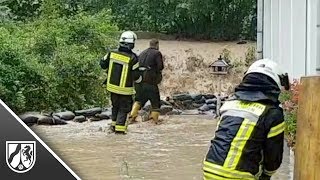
[
  {"x": 214, "y": 19},
  {"x": 52, "y": 62}
]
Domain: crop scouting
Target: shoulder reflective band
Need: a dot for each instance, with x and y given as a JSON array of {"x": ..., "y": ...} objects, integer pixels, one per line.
[
  {"x": 225, "y": 172},
  {"x": 252, "y": 107},
  {"x": 276, "y": 130},
  {"x": 120, "y": 57},
  {"x": 238, "y": 143}
]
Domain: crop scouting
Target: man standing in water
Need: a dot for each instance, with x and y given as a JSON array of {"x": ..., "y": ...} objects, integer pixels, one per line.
[
  {"x": 151, "y": 66},
  {"x": 248, "y": 142},
  {"x": 122, "y": 66}
]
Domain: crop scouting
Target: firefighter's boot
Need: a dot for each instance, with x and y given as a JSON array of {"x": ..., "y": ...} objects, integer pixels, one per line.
[
  {"x": 134, "y": 112},
  {"x": 154, "y": 116}
]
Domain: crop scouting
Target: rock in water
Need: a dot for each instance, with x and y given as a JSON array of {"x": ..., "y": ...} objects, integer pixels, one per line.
[
  {"x": 162, "y": 102},
  {"x": 80, "y": 119},
  {"x": 205, "y": 107},
  {"x": 211, "y": 101},
  {"x": 46, "y": 120},
  {"x": 67, "y": 115},
  {"x": 104, "y": 115},
  {"x": 164, "y": 109},
  {"x": 30, "y": 118},
  {"x": 174, "y": 112},
  {"x": 201, "y": 101},
  {"x": 210, "y": 96},
  {"x": 196, "y": 106},
  {"x": 212, "y": 106},
  {"x": 196, "y": 97},
  {"x": 58, "y": 121},
  {"x": 91, "y": 119},
  {"x": 88, "y": 112},
  {"x": 181, "y": 97}
]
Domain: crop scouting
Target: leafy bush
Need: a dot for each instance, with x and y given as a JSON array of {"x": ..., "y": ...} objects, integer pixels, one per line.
[
  {"x": 52, "y": 63},
  {"x": 289, "y": 100}
]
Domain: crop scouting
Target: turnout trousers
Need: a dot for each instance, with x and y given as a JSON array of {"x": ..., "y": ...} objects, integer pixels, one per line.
[{"x": 121, "y": 106}]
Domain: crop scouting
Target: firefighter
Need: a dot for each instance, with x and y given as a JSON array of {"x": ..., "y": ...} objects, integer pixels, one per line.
[
  {"x": 151, "y": 66},
  {"x": 248, "y": 142},
  {"x": 122, "y": 68}
]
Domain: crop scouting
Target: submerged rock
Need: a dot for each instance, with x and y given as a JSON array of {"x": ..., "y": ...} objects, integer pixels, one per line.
[
  {"x": 88, "y": 112},
  {"x": 80, "y": 119},
  {"x": 67, "y": 115}
]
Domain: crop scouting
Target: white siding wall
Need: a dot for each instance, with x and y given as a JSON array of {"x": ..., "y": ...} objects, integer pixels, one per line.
[{"x": 291, "y": 36}]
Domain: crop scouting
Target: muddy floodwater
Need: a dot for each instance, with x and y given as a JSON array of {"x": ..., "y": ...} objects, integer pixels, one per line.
[{"x": 172, "y": 150}]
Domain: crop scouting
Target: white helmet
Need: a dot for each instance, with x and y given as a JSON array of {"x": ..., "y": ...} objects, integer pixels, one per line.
[
  {"x": 270, "y": 68},
  {"x": 128, "y": 37}
]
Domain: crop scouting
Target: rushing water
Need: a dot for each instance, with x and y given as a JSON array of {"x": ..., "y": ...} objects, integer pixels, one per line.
[{"x": 172, "y": 150}]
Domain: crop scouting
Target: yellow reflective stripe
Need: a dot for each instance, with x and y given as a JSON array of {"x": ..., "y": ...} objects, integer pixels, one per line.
[
  {"x": 238, "y": 144},
  {"x": 120, "y": 90},
  {"x": 255, "y": 108},
  {"x": 109, "y": 71},
  {"x": 120, "y": 57},
  {"x": 124, "y": 76},
  {"x": 269, "y": 173},
  {"x": 121, "y": 128},
  {"x": 134, "y": 67},
  {"x": 278, "y": 129},
  {"x": 113, "y": 123},
  {"x": 226, "y": 172}
]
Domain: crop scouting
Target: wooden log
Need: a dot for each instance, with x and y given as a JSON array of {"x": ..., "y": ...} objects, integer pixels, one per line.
[{"x": 307, "y": 155}]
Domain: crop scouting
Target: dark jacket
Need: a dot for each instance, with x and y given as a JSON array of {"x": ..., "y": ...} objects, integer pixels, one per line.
[
  {"x": 250, "y": 132},
  {"x": 151, "y": 59},
  {"x": 125, "y": 70}
]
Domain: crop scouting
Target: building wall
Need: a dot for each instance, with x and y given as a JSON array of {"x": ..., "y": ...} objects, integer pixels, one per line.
[{"x": 291, "y": 36}]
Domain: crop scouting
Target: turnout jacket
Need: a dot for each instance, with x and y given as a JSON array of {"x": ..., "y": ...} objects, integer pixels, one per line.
[
  {"x": 248, "y": 142},
  {"x": 122, "y": 65}
]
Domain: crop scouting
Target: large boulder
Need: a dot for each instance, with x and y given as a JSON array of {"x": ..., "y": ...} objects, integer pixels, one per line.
[
  {"x": 104, "y": 115},
  {"x": 67, "y": 115},
  {"x": 201, "y": 101},
  {"x": 196, "y": 106},
  {"x": 212, "y": 106},
  {"x": 205, "y": 107},
  {"x": 47, "y": 120},
  {"x": 30, "y": 118},
  {"x": 209, "y": 96},
  {"x": 196, "y": 97},
  {"x": 89, "y": 112},
  {"x": 181, "y": 97},
  {"x": 211, "y": 101},
  {"x": 187, "y": 103}
]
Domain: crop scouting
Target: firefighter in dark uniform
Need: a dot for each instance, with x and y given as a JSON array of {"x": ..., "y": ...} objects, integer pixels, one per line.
[
  {"x": 248, "y": 142},
  {"x": 122, "y": 67},
  {"x": 151, "y": 66}
]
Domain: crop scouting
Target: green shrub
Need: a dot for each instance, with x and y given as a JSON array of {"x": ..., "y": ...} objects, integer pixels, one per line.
[{"x": 53, "y": 63}]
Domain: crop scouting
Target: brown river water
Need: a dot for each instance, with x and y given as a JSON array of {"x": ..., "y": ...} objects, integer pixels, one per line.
[{"x": 172, "y": 150}]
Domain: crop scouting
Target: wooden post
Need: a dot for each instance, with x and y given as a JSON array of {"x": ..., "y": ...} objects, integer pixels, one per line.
[{"x": 307, "y": 154}]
